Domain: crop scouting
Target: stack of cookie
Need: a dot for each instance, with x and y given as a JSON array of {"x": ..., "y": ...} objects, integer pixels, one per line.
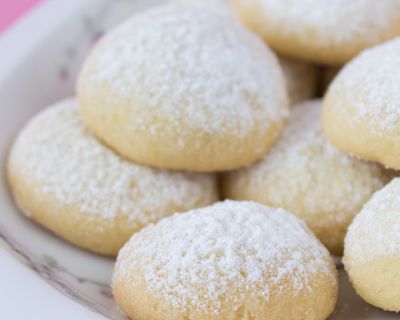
[{"x": 181, "y": 92}]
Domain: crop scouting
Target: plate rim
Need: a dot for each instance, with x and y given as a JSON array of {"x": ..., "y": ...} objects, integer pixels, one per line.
[{"x": 16, "y": 45}]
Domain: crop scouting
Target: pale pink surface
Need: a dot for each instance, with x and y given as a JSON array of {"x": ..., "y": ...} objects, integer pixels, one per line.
[{"x": 11, "y": 10}]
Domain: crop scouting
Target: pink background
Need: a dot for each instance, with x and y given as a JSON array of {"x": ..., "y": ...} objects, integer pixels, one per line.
[{"x": 11, "y": 10}]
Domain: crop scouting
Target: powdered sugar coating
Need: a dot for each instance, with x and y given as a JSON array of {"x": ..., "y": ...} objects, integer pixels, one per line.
[
  {"x": 192, "y": 67},
  {"x": 307, "y": 175},
  {"x": 368, "y": 86},
  {"x": 56, "y": 153},
  {"x": 205, "y": 254},
  {"x": 375, "y": 232},
  {"x": 334, "y": 22}
]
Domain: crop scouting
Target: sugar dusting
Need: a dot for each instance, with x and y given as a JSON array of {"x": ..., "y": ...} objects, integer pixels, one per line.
[
  {"x": 303, "y": 167},
  {"x": 375, "y": 232},
  {"x": 190, "y": 66},
  {"x": 203, "y": 255},
  {"x": 370, "y": 84},
  {"x": 60, "y": 156},
  {"x": 332, "y": 22}
]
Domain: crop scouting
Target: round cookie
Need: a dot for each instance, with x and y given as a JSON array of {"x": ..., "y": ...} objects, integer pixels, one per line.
[
  {"x": 232, "y": 260},
  {"x": 185, "y": 88},
  {"x": 68, "y": 182},
  {"x": 372, "y": 249},
  {"x": 361, "y": 110},
  {"x": 301, "y": 78},
  {"x": 320, "y": 32},
  {"x": 304, "y": 174}
]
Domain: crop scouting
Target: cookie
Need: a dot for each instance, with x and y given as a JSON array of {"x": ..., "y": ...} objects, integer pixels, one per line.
[
  {"x": 66, "y": 180},
  {"x": 361, "y": 113},
  {"x": 304, "y": 174},
  {"x": 184, "y": 87},
  {"x": 320, "y": 32},
  {"x": 372, "y": 249},
  {"x": 232, "y": 260}
]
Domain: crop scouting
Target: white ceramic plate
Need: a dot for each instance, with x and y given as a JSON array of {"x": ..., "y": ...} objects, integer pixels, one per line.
[{"x": 40, "y": 57}]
